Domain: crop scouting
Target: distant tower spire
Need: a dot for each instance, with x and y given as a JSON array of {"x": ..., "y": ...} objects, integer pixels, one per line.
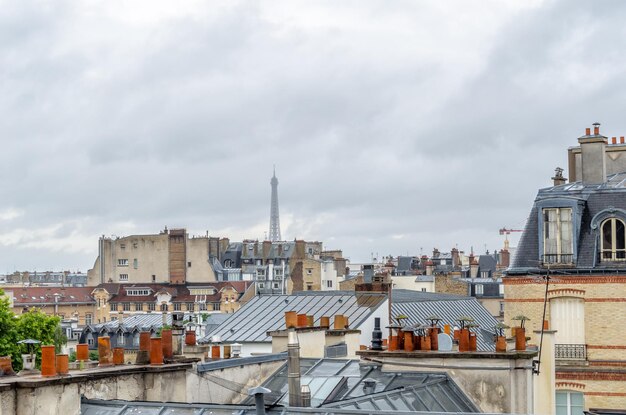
[{"x": 274, "y": 216}]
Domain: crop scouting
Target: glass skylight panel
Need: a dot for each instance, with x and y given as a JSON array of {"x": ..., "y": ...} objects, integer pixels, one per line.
[
  {"x": 87, "y": 409},
  {"x": 442, "y": 397},
  {"x": 383, "y": 404},
  {"x": 328, "y": 368},
  {"x": 353, "y": 369}
]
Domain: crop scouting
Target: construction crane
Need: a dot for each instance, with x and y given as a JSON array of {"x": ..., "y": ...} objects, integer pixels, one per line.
[{"x": 506, "y": 232}]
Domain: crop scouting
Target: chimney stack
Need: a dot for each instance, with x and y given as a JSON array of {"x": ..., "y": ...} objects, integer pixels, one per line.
[
  {"x": 293, "y": 369},
  {"x": 368, "y": 273},
  {"x": 473, "y": 266},
  {"x": 593, "y": 159},
  {"x": 456, "y": 261},
  {"x": 558, "y": 178},
  {"x": 429, "y": 267},
  {"x": 505, "y": 258},
  {"x": 377, "y": 335}
]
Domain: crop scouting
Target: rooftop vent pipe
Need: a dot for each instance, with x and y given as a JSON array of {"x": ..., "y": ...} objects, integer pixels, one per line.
[
  {"x": 293, "y": 369},
  {"x": 259, "y": 402},
  {"x": 369, "y": 386},
  {"x": 305, "y": 393}
]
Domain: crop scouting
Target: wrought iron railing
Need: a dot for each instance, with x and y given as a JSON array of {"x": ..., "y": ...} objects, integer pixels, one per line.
[
  {"x": 557, "y": 258},
  {"x": 570, "y": 351}
]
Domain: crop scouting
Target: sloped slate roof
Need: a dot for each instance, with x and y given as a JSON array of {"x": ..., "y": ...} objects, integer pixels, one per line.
[
  {"x": 23, "y": 296},
  {"x": 487, "y": 263},
  {"x": 449, "y": 311},
  {"x": 179, "y": 293},
  {"x": 139, "y": 321},
  {"x": 267, "y": 313},
  {"x": 595, "y": 198}
]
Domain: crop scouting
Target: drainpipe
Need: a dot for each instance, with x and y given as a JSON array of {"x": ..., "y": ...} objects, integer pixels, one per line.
[{"x": 293, "y": 369}]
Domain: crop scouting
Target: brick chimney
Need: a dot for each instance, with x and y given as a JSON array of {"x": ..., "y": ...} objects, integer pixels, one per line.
[
  {"x": 505, "y": 258},
  {"x": 267, "y": 246},
  {"x": 473, "y": 266},
  {"x": 429, "y": 267},
  {"x": 593, "y": 161}
]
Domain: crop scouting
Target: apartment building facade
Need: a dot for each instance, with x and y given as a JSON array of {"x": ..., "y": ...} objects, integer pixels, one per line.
[
  {"x": 171, "y": 256},
  {"x": 575, "y": 238}
]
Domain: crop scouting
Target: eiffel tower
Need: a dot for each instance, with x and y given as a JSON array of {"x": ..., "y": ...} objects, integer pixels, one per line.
[{"x": 274, "y": 216}]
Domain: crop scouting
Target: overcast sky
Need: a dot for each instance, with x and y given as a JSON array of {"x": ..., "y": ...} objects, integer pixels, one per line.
[{"x": 395, "y": 127}]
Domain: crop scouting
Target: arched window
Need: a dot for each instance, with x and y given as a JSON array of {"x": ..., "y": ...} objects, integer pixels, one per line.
[{"x": 613, "y": 240}]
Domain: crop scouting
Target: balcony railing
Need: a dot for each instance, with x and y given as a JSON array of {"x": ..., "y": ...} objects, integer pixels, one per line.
[
  {"x": 557, "y": 258},
  {"x": 570, "y": 351}
]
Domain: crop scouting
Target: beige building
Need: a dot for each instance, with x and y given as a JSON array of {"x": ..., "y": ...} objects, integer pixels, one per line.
[
  {"x": 66, "y": 302},
  {"x": 171, "y": 256},
  {"x": 575, "y": 235},
  {"x": 117, "y": 301}
]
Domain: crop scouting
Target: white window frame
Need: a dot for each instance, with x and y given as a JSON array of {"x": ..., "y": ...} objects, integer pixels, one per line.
[
  {"x": 123, "y": 277},
  {"x": 568, "y": 409},
  {"x": 564, "y": 252},
  {"x": 479, "y": 289},
  {"x": 614, "y": 254},
  {"x": 122, "y": 262}
]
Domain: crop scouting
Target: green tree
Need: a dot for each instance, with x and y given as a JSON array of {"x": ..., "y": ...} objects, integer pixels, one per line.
[
  {"x": 8, "y": 332},
  {"x": 39, "y": 326},
  {"x": 31, "y": 325}
]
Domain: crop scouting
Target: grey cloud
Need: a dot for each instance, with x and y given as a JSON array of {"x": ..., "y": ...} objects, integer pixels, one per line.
[{"x": 392, "y": 128}]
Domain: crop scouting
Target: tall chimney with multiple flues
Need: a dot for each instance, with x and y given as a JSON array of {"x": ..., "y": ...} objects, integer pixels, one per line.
[{"x": 593, "y": 161}]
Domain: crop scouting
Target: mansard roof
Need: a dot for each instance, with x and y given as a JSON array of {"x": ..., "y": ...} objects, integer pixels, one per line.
[{"x": 591, "y": 204}]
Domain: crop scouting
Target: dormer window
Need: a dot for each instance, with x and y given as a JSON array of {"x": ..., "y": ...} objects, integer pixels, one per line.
[
  {"x": 613, "y": 240},
  {"x": 557, "y": 236}
]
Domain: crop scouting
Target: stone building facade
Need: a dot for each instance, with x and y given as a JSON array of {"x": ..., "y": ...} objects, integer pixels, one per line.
[
  {"x": 75, "y": 303},
  {"x": 171, "y": 256},
  {"x": 117, "y": 301}
]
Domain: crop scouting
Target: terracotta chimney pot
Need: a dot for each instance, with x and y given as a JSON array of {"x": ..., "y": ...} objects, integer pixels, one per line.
[
  {"x": 156, "y": 351},
  {"x": 48, "y": 361}
]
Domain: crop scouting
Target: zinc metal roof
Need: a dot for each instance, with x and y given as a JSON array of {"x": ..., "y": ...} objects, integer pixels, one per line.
[
  {"x": 408, "y": 296},
  {"x": 267, "y": 313},
  {"x": 449, "y": 312},
  {"x": 341, "y": 384},
  {"x": 98, "y": 407}
]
